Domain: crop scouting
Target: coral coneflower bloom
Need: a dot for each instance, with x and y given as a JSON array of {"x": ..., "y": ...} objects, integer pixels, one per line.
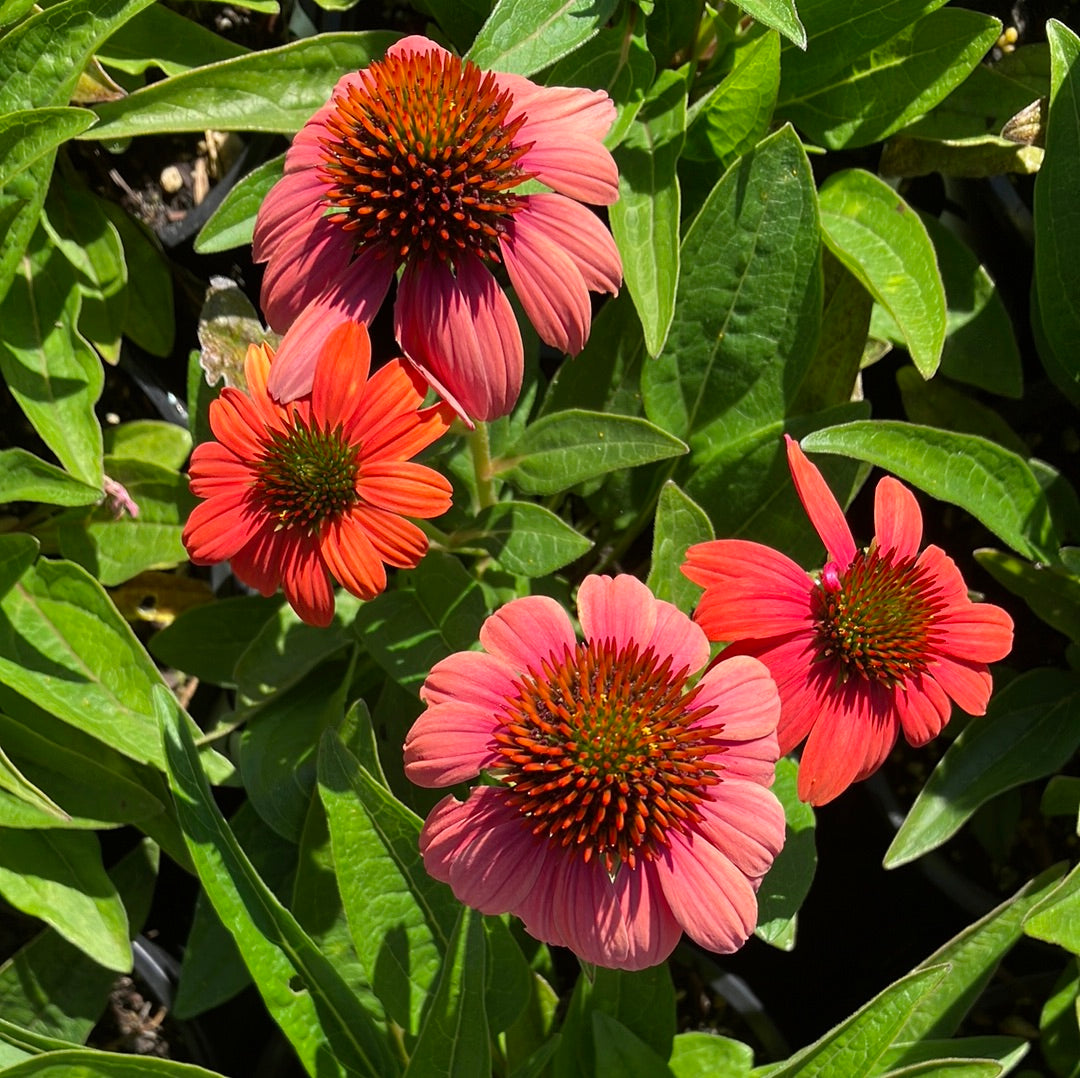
[
  {"x": 628, "y": 803},
  {"x": 883, "y": 639},
  {"x": 302, "y": 494},
  {"x": 414, "y": 163}
]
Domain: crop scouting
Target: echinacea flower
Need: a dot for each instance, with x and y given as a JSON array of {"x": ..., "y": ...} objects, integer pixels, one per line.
[
  {"x": 317, "y": 490},
  {"x": 414, "y": 162},
  {"x": 883, "y": 639},
  {"x": 627, "y": 803}
]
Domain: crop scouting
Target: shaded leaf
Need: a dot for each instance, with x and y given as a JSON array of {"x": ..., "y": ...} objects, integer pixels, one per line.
[
  {"x": 525, "y": 538},
  {"x": 232, "y": 224}
]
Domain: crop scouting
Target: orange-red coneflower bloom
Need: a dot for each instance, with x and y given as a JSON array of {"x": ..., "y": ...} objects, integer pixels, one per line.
[
  {"x": 302, "y": 494},
  {"x": 883, "y": 639},
  {"x": 415, "y": 162}
]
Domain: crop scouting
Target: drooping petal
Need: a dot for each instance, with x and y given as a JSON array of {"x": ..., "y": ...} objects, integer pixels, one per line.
[
  {"x": 897, "y": 519},
  {"x": 575, "y": 165},
  {"x": 744, "y": 698},
  {"x": 461, "y": 328},
  {"x": 528, "y": 630},
  {"x": 979, "y": 631},
  {"x": 449, "y": 743},
  {"x": 306, "y": 582},
  {"x": 352, "y": 559},
  {"x": 923, "y": 708},
  {"x": 967, "y": 682},
  {"x": 746, "y": 823},
  {"x": 471, "y": 677},
  {"x": 821, "y": 506},
  {"x": 293, "y": 206}
]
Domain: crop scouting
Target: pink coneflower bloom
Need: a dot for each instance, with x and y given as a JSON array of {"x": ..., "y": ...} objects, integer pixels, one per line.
[
  {"x": 628, "y": 803},
  {"x": 302, "y": 494},
  {"x": 883, "y": 639},
  {"x": 414, "y": 163}
]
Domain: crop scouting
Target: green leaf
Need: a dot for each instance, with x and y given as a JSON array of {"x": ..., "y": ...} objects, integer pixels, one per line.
[
  {"x": 619, "y": 1051},
  {"x": 1057, "y": 189},
  {"x": 232, "y": 224},
  {"x": 1024, "y": 735},
  {"x": 562, "y": 449},
  {"x": 881, "y": 240},
  {"x": 734, "y": 117},
  {"x": 525, "y": 538},
  {"x": 92, "y": 1063},
  {"x": 51, "y": 371},
  {"x": 858, "y": 1043},
  {"x": 401, "y": 919},
  {"x": 618, "y": 61},
  {"x": 27, "y": 134},
  {"x": 680, "y": 523},
  {"x": 244, "y": 94},
  {"x": 158, "y": 37},
  {"x": 279, "y": 744},
  {"x": 64, "y": 646},
  {"x": 117, "y": 547},
  {"x": 994, "y": 485},
  {"x": 331, "y": 1032},
  {"x": 460, "y": 20},
  {"x": 972, "y": 956},
  {"x": 17, "y": 553},
  {"x": 26, "y": 478},
  {"x": 706, "y": 1055},
  {"x": 58, "y": 876},
  {"x": 208, "y": 640},
  {"x": 921, "y": 1057},
  {"x": 15, "y": 783},
  {"x": 1053, "y": 594},
  {"x": 886, "y": 88},
  {"x": 748, "y": 305},
  {"x": 780, "y": 15},
  {"x": 13, "y": 10},
  {"x": 970, "y": 158},
  {"x": 1059, "y": 1024},
  {"x": 286, "y": 648},
  {"x": 1056, "y": 919},
  {"x": 151, "y": 441},
  {"x": 454, "y": 1040},
  {"x": 522, "y": 40},
  {"x": 645, "y": 220},
  {"x": 787, "y": 883}
]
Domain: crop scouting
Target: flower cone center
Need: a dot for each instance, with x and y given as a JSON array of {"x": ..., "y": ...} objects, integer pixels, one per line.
[
  {"x": 421, "y": 158},
  {"x": 601, "y": 753},
  {"x": 308, "y": 475},
  {"x": 876, "y": 619}
]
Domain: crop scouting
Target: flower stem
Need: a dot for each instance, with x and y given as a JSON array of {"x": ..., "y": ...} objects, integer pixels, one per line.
[{"x": 481, "y": 455}]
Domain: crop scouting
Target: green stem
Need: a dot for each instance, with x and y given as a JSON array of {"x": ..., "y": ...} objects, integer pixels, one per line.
[{"x": 480, "y": 448}]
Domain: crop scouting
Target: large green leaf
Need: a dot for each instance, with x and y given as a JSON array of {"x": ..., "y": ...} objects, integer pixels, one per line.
[
  {"x": 64, "y": 646},
  {"x": 58, "y": 876},
  {"x": 91, "y": 1063},
  {"x": 400, "y": 918},
  {"x": 1056, "y": 918},
  {"x": 50, "y": 369},
  {"x": 885, "y": 89},
  {"x": 523, "y": 39},
  {"x": 780, "y": 15},
  {"x": 881, "y": 240},
  {"x": 748, "y": 305},
  {"x": 562, "y": 449},
  {"x": 991, "y": 483},
  {"x": 330, "y": 1030},
  {"x": 245, "y": 94},
  {"x": 24, "y": 477},
  {"x": 706, "y": 1055},
  {"x": 1025, "y": 734},
  {"x": 525, "y": 538},
  {"x": 645, "y": 220},
  {"x": 1052, "y": 593},
  {"x": 1057, "y": 232},
  {"x": 27, "y": 134}
]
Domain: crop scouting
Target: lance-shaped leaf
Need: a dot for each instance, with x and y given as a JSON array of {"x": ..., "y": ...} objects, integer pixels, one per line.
[
  {"x": 1025, "y": 734},
  {"x": 881, "y": 240},
  {"x": 325, "y": 1023},
  {"x": 27, "y": 134},
  {"x": 645, "y": 220},
  {"x": 232, "y": 224},
  {"x": 525, "y": 538},
  {"x": 244, "y": 94},
  {"x": 523, "y": 39},
  {"x": 1057, "y": 232},
  {"x": 680, "y": 523},
  {"x": 24, "y": 477},
  {"x": 1056, "y": 918},
  {"x": 91, "y": 1063},
  {"x": 780, "y": 15},
  {"x": 1052, "y": 593},
  {"x": 563, "y": 449},
  {"x": 994, "y": 485}
]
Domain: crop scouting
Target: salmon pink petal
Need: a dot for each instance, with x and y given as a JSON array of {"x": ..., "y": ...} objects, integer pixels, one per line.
[
  {"x": 554, "y": 111},
  {"x": 450, "y": 743},
  {"x": 575, "y": 165},
  {"x": 549, "y": 285},
  {"x": 621, "y": 610},
  {"x": 746, "y": 822},
  {"x": 528, "y": 630},
  {"x": 924, "y": 708},
  {"x": 751, "y": 590},
  {"x": 966, "y": 681},
  {"x": 461, "y": 328},
  {"x": 712, "y": 900},
  {"x": 821, "y": 506},
  {"x": 743, "y": 695},
  {"x": 897, "y": 519},
  {"x": 404, "y": 487},
  {"x": 355, "y": 297},
  {"x": 676, "y": 635},
  {"x": 415, "y": 43},
  {"x": 293, "y": 206},
  {"x": 578, "y": 233},
  {"x": 470, "y": 676}
]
